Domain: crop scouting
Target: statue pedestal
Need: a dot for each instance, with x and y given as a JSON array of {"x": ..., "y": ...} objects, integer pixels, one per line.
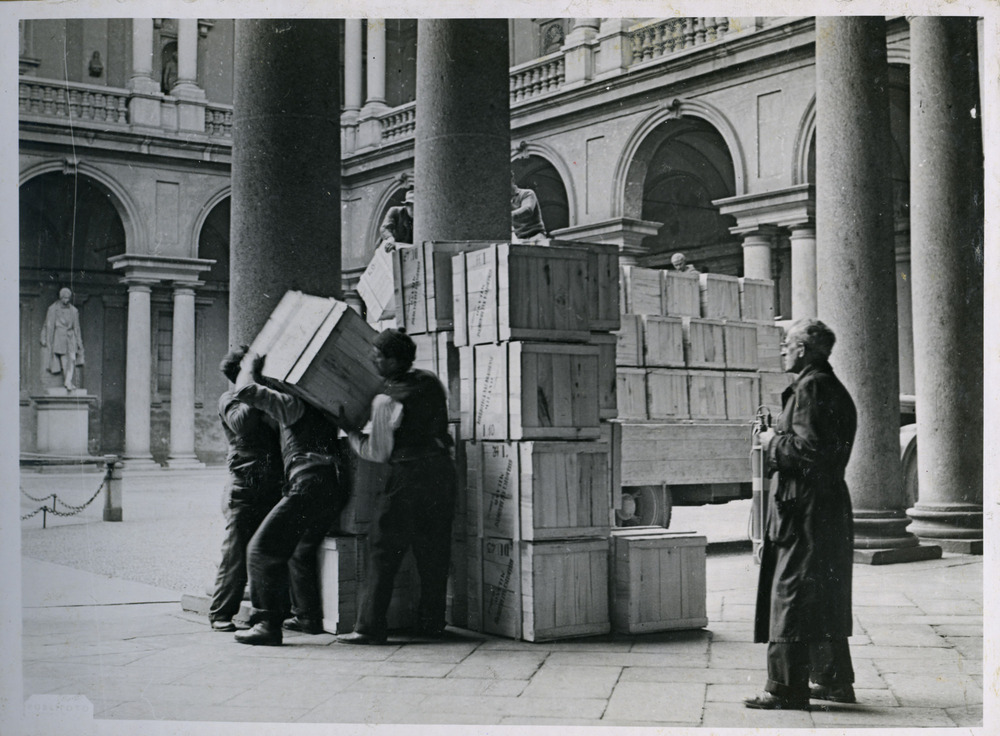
[{"x": 62, "y": 421}]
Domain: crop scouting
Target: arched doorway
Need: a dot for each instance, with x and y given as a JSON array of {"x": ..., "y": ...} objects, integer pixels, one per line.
[
  {"x": 538, "y": 174},
  {"x": 69, "y": 227}
]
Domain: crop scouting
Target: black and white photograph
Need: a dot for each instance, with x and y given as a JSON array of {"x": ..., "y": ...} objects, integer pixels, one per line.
[{"x": 478, "y": 369}]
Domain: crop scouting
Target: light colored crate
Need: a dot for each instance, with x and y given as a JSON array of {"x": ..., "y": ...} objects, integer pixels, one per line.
[
  {"x": 631, "y": 393},
  {"x": 769, "y": 339},
  {"x": 536, "y": 391},
  {"x": 677, "y": 453},
  {"x": 704, "y": 343},
  {"x": 604, "y": 294},
  {"x": 436, "y": 352},
  {"x": 681, "y": 294},
  {"x": 641, "y": 289},
  {"x": 457, "y": 597},
  {"x": 467, "y": 391},
  {"x": 667, "y": 394},
  {"x": 707, "y": 395},
  {"x": 501, "y": 587},
  {"x": 607, "y": 391},
  {"x": 740, "y": 340},
  {"x": 772, "y": 384},
  {"x": 742, "y": 396},
  {"x": 628, "y": 352},
  {"x": 320, "y": 349},
  {"x": 473, "y": 487},
  {"x": 523, "y": 292},
  {"x": 757, "y": 300},
  {"x": 475, "y": 607},
  {"x": 662, "y": 341},
  {"x": 658, "y": 581},
  {"x": 377, "y": 287},
  {"x": 608, "y": 437},
  {"x": 545, "y": 490},
  {"x": 720, "y": 296}
]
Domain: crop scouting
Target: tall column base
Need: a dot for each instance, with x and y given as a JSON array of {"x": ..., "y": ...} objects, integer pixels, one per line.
[
  {"x": 184, "y": 462},
  {"x": 132, "y": 464},
  {"x": 881, "y": 538},
  {"x": 893, "y": 556},
  {"x": 955, "y": 527}
]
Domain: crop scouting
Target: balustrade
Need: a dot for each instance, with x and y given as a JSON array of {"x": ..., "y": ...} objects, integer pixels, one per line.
[
  {"x": 662, "y": 37},
  {"x": 73, "y": 100},
  {"x": 537, "y": 77},
  {"x": 219, "y": 120},
  {"x": 400, "y": 122}
]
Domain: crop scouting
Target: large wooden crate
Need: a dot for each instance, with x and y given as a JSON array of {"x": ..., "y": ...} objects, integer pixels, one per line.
[
  {"x": 740, "y": 339},
  {"x": 521, "y": 292},
  {"x": 631, "y": 393},
  {"x": 603, "y": 285},
  {"x": 658, "y": 581},
  {"x": 769, "y": 339},
  {"x": 641, "y": 290},
  {"x": 707, "y": 395},
  {"x": 320, "y": 349},
  {"x": 742, "y": 395},
  {"x": 648, "y": 453},
  {"x": 541, "y": 591},
  {"x": 772, "y": 385},
  {"x": 757, "y": 300},
  {"x": 467, "y": 391},
  {"x": 704, "y": 343},
  {"x": 662, "y": 341},
  {"x": 681, "y": 294},
  {"x": 667, "y": 394},
  {"x": 720, "y": 296},
  {"x": 436, "y": 352},
  {"x": 607, "y": 393},
  {"x": 544, "y": 490},
  {"x": 377, "y": 287},
  {"x": 539, "y": 391},
  {"x": 629, "y": 351}
]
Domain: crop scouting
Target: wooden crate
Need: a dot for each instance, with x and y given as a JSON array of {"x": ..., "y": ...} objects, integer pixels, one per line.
[
  {"x": 522, "y": 292},
  {"x": 667, "y": 394},
  {"x": 544, "y": 490},
  {"x": 538, "y": 391},
  {"x": 473, "y": 487},
  {"x": 757, "y": 300},
  {"x": 740, "y": 340},
  {"x": 681, "y": 294},
  {"x": 500, "y": 587},
  {"x": 742, "y": 396},
  {"x": 704, "y": 343},
  {"x": 769, "y": 339},
  {"x": 707, "y": 395},
  {"x": 320, "y": 349},
  {"x": 377, "y": 287},
  {"x": 456, "y": 596},
  {"x": 467, "y": 392},
  {"x": 641, "y": 290},
  {"x": 436, "y": 352},
  {"x": 662, "y": 341},
  {"x": 603, "y": 285},
  {"x": 658, "y": 581},
  {"x": 677, "y": 453},
  {"x": 629, "y": 341},
  {"x": 772, "y": 384},
  {"x": 631, "y": 393},
  {"x": 720, "y": 296},
  {"x": 607, "y": 391},
  {"x": 475, "y": 606}
]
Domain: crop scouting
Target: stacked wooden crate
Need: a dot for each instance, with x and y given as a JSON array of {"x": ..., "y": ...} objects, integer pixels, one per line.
[{"x": 532, "y": 324}]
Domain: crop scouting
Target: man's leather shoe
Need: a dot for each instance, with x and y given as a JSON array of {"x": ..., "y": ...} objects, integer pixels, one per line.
[
  {"x": 303, "y": 625},
  {"x": 769, "y": 701},
  {"x": 833, "y": 693},
  {"x": 261, "y": 633},
  {"x": 357, "y": 637},
  {"x": 223, "y": 626}
]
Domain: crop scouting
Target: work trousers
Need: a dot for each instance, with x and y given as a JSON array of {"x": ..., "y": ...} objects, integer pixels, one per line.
[
  {"x": 282, "y": 557},
  {"x": 413, "y": 511},
  {"x": 242, "y": 521},
  {"x": 790, "y": 666}
]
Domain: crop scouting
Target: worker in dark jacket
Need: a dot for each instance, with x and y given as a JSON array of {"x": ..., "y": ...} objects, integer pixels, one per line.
[
  {"x": 252, "y": 489},
  {"x": 804, "y": 593},
  {"x": 282, "y": 557},
  {"x": 409, "y": 430},
  {"x": 397, "y": 227}
]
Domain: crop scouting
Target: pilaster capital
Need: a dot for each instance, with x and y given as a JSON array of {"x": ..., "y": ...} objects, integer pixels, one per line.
[{"x": 756, "y": 234}]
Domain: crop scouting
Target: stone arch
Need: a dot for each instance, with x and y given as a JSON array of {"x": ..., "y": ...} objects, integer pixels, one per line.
[
  {"x": 206, "y": 219},
  {"x": 803, "y": 153},
  {"x": 529, "y": 149}
]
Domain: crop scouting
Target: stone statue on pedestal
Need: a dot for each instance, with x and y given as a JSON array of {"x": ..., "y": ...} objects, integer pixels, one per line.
[{"x": 61, "y": 339}]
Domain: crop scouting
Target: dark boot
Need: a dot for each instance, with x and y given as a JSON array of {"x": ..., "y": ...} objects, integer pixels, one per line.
[{"x": 261, "y": 633}]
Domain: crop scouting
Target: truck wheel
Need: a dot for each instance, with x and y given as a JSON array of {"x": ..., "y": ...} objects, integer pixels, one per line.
[{"x": 645, "y": 506}]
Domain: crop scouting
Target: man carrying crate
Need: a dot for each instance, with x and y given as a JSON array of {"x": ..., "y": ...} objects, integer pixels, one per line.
[
  {"x": 409, "y": 431},
  {"x": 282, "y": 556}
]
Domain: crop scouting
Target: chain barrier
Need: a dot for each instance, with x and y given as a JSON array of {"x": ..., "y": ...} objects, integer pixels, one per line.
[{"x": 47, "y": 509}]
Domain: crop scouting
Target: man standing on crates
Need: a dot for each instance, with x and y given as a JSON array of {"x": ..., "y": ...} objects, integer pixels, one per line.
[
  {"x": 409, "y": 430},
  {"x": 804, "y": 592},
  {"x": 397, "y": 227},
  {"x": 282, "y": 557}
]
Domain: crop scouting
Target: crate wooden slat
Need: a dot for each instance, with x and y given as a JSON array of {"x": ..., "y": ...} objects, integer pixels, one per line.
[
  {"x": 641, "y": 289},
  {"x": 536, "y": 391},
  {"x": 603, "y": 284},
  {"x": 522, "y": 292},
  {"x": 608, "y": 436},
  {"x": 475, "y": 608},
  {"x": 681, "y": 294},
  {"x": 756, "y": 300},
  {"x": 662, "y": 341},
  {"x": 652, "y": 453},
  {"x": 456, "y": 596},
  {"x": 772, "y": 384},
  {"x": 320, "y": 349},
  {"x": 658, "y": 581},
  {"x": 742, "y": 395},
  {"x": 769, "y": 338},
  {"x": 667, "y": 394},
  {"x": 707, "y": 395},
  {"x": 377, "y": 287},
  {"x": 720, "y": 296},
  {"x": 467, "y": 391},
  {"x": 501, "y": 587},
  {"x": 629, "y": 350},
  {"x": 631, "y": 393},
  {"x": 607, "y": 381},
  {"x": 704, "y": 343},
  {"x": 436, "y": 352},
  {"x": 740, "y": 340}
]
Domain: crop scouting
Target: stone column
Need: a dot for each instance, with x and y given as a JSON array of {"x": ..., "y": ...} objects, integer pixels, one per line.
[
  {"x": 352, "y": 82},
  {"x": 462, "y": 139},
  {"x": 578, "y": 50},
  {"x": 803, "y": 239},
  {"x": 285, "y": 226},
  {"x": 855, "y": 271},
  {"x": 615, "y": 48},
  {"x": 182, "y": 381},
  {"x": 369, "y": 123},
  {"x": 947, "y": 262},
  {"x": 904, "y": 311},
  {"x": 138, "y": 363},
  {"x": 757, "y": 246},
  {"x": 144, "y": 100},
  {"x": 191, "y": 98}
]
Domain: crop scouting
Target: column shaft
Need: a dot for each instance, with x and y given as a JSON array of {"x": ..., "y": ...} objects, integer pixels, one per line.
[
  {"x": 947, "y": 264},
  {"x": 182, "y": 381},
  {"x": 462, "y": 140},
  {"x": 142, "y": 47},
  {"x": 137, "y": 375},
  {"x": 803, "y": 272},
  {"x": 757, "y": 255},
  {"x": 376, "y": 60},
  {"x": 187, "y": 51},
  {"x": 285, "y": 226},
  {"x": 352, "y": 64}
]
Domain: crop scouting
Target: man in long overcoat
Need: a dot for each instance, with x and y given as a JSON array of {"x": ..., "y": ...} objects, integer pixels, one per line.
[{"x": 804, "y": 593}]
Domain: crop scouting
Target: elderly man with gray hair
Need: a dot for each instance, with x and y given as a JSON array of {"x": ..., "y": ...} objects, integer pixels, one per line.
[{"x": 804, "y": 591}]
